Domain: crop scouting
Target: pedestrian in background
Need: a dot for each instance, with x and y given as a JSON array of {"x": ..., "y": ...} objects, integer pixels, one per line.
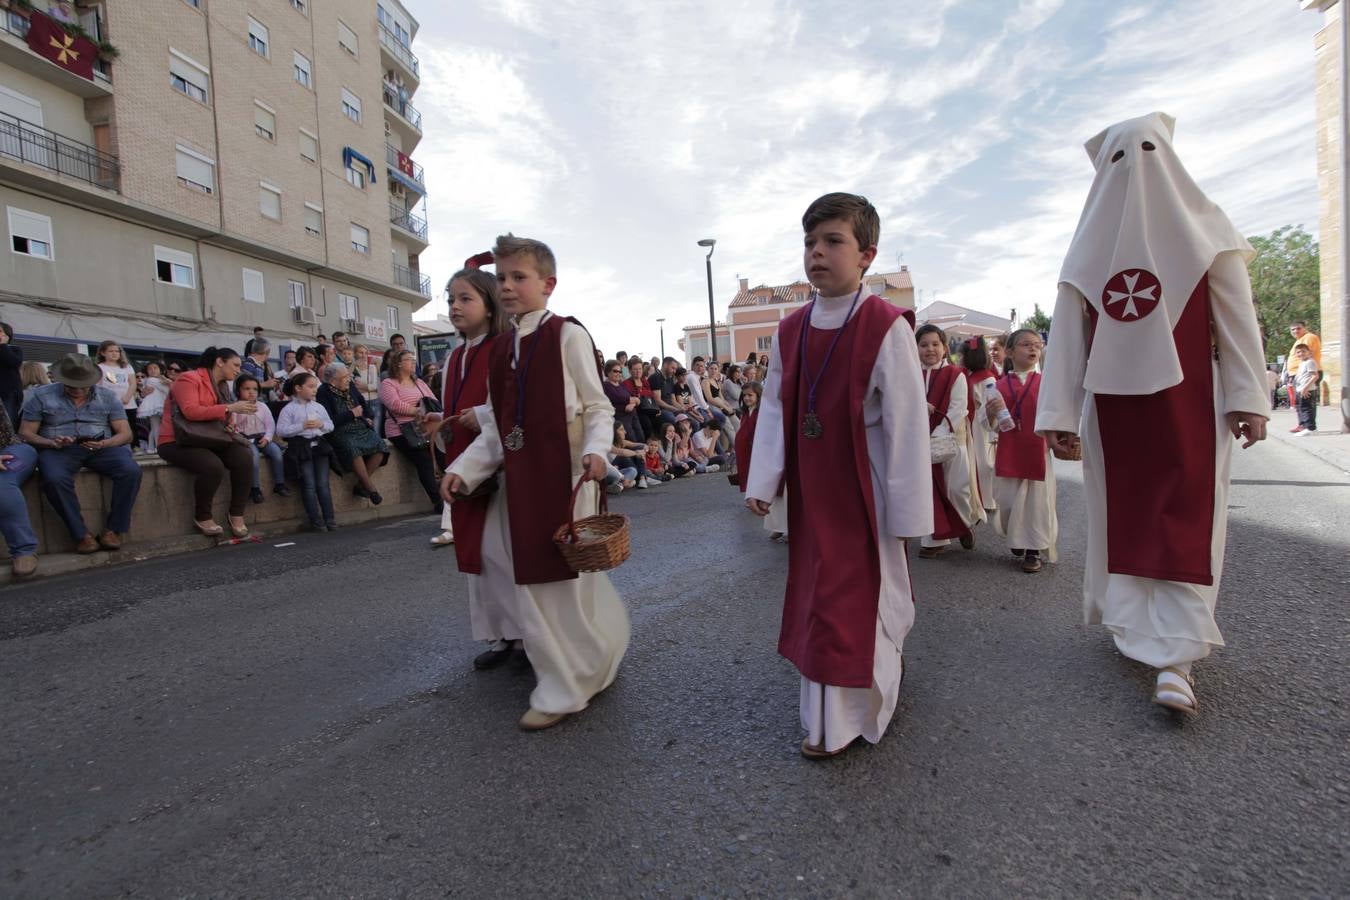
[
  {"x": 1305, "y": 390},
  {"x": 121, "y": 377},
  {"x": 259, "y": 429},
  {"x": 17, "y": 461},
  {"x": 33, "y": 374},
  {"x": 303, "y": 423},
  {"x": 403, "y": 396},
  {"x": 356, "y": 446},
  {"x": 11, "y": 379}
]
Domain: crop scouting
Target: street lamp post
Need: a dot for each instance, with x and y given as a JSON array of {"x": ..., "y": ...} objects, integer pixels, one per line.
[
  {"x": 662, "y": 324},
  {"x": 710, "y": 243}
]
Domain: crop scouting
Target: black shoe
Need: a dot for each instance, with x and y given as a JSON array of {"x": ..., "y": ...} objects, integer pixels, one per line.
[
  {"x": 331, "y": 526},
  {"x": 439, "y": 507},
  {"x": 310, "y": 526},
  {"x": 281, "y": 490},
  {"x": 968, "y": 540},
  {"x": 492, "y": 658},
  {"x": 375, "y": 498},
  {"x": 1018, "y": 553},
  {"x": 256, "y": 495},
  {"x": 359, "y": 491},
  {"x": 1032, "y": 561},
  {"x": 520, "y": 661}
]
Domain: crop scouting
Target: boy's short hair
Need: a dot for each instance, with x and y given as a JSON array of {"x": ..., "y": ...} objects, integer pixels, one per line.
[
  {"x": 854, "y": 209},
  {"x": 712, "y": 425},
  {"x": 1303, "y": 347},
  {"x": 510, "y": 245}
]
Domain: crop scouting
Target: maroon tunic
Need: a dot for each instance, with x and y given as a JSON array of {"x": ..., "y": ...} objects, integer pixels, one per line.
[
  {"x": 947, "y": 522},
  {"x": 1158, "y": 456},
  {"x": 467, "y": 517},
  {"x": 745, "y": 442},
  {"x": 834, "y": 573},
  {"x": 539, "y": 474},
  {"x": 1021, "y": 452}
]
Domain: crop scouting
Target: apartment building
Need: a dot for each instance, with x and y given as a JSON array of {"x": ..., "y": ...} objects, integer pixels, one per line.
[
  {"x": 754, "y": 313},
  {"x": 224, "y": 164}
]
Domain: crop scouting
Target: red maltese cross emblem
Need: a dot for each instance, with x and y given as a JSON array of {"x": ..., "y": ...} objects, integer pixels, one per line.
[{"x": 1131, "y": 295}]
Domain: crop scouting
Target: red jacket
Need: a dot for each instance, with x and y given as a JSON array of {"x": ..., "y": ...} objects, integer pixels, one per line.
[{"x": 195, "y": 395}]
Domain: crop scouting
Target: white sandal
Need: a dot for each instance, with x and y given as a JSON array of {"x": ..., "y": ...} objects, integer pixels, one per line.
[{"x": 1175, "y": 691}]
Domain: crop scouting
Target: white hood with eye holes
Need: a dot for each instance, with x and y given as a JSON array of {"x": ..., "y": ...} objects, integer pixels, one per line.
[{"x": 1147, "y": 235}]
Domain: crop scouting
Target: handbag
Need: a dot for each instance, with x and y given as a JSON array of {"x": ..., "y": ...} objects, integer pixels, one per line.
[
  {"x": 410, "y": 430},
  {"x": 942, "y": 447},
  {"x": 212, "y": 434}
]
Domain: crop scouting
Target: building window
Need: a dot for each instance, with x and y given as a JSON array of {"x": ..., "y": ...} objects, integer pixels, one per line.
[
  {"x": 264, "y": 121},
  {"x": 269, "y": 200},
  {"x": 174, "y": 267},
  {"x": 30, "y": 233},
  {"x": 187, "y": 76},
  {"x": 313, "y": 219},
  {"x": 195, "y": 4},
  {"x": 391, "y": 317},
  {"x": 300, "y": 6},
  {"x": 296, "y": 290},
  {"x": 764, "y": 343},
  {"x": 253, "y": 286},
  {"x": 351, "y": 106},
  {"x": 302, "y": 69},
  {"x": 356, "y": 177},
  {"x": 347, "y": 39},
  {"x": 257, "y": 37},
  {"x": 347, "y": 307},
  {"x": 360, "y": 238},
  {"x": 309, "y": 146},
  {"x": 196, "y": 171}
]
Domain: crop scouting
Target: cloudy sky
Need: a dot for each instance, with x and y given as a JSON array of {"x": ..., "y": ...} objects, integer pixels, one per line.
[{"x": 622, "y": 132}]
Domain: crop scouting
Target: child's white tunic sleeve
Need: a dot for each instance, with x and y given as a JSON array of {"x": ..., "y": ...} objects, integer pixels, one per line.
[
  {"x": 481, "y": 459},
  {"x": 585, "y": 397},
  {"x": 769, "y": 454},
  {"x": 896, "y": 412}
]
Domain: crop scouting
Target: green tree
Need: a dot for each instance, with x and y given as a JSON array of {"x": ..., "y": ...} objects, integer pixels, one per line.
[
  {"x": 1285, "y": 285},
  {"x": 1037, "y": 321}
]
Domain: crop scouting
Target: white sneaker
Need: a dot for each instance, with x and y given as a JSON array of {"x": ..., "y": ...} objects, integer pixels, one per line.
[
  {"x": 651, "y": 482},
  {"x": 615, "y": 488},
  {"x": 445, "y": 537},
  {"x": 714, "y": 467},
  {"x": 1304, "y": 433},
  {"x": 641, "y": 484}
]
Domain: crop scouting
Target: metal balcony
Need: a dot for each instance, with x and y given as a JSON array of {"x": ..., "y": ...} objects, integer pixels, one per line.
[
  {"x": 412, "y": 280},
  {"x": 35, "y": 145},
  {"x": 403, "y": 108},
  {"x": 407, "y": 221},
  {"x": 399, "y": 51},
  {"x": 15, "y": 25},
  {"x": 391, "y": 157}
]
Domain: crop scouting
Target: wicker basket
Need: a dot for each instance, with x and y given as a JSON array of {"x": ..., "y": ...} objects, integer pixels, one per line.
[
  {"x": 1073, "y": 454},
  {"x": 596, "y": 543}
]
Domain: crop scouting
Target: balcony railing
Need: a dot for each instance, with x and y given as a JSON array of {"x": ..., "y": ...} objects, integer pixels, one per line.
[
  {"x": 17, "y": 25},
  {"x": 390, "y": 42},
  {"x": 407, "y": 221},
  {"x": 412, "y": 280},
  {"x": 37, "y": 146},
  {"x": 402, "y": 107},
  {"x": 391, "y": 156}
]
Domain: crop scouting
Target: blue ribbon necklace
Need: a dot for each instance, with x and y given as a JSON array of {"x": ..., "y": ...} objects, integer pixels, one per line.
[
  {"x": 811, "y": 426},
  {"x": 515, "y": 438}
]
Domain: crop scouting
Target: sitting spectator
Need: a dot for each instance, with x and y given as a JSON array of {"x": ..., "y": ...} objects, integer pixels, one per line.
[
  {"x": 303, "y": 423},
  {"x": 722, "y": 411},
  {"x": 649, "y": 414},
  {"x": 703, "y": 445},
  {"x": 120, "y": 377},
  {"x": 730, "y": 385},
  {"x": 248, "y": 345},
  {"x": 76, "y": 424},
  {"x": 17, "y": 462},
  {"x": 354, "y": 440},
  {"x": 397, "y": 344},
  {"x": 684, "y": 451},
  {"x": 670, "y": 446},
  {"x": 255, "y": 363},
  {"x": 11, "y": 377},
  {"x": 32, "y": 375},
  {"x": 431, "y": 374},
  {"x": 655, "y": 468},
  {"x": 684, "y": 397},
  {"x": 403, "y": 397},
  {"x": 662, "y": 383},
  {"x": 287, "y": 363},
  {"x": 323, "y": 355},
  {"x": 630, "y": 458},
  {"x": 305, "y": 361},
  {"x": 625, "y": 402},
  {"x": 321, "y": 338},
  {"x": 203, "y": 395},
  {"x": 260, "y": 429}
]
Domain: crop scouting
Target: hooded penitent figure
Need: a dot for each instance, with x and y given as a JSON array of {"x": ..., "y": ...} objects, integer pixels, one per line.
[{"x": 1154, "y": 358}]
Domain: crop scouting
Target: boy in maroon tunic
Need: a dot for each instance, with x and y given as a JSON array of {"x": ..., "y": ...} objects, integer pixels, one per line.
[
  {"x": 547, "y": 424},
  {"x": 842, "y": 426}
]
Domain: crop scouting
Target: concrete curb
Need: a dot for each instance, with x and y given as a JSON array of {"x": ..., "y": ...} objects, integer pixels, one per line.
[
  {"x": 53, "y": 564},
  {"x": 1332, "y": 447}
]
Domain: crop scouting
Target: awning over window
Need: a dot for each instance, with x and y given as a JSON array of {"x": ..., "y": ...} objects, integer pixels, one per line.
[{"x": 350, "y": 159}]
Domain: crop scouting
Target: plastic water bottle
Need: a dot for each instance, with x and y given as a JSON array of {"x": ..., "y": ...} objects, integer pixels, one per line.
[{"x": 1005, "y": 421}]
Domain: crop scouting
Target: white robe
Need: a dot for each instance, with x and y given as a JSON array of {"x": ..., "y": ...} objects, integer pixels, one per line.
[
  {"x": 962, "y": 490},
  {"x": 896, "y": 420},
  {"x": 1159, "y": 623},
  {"x": 1026, "y": 508},
  {"x": 575, "y": 632},
  {"x": 984, "y": 440}
]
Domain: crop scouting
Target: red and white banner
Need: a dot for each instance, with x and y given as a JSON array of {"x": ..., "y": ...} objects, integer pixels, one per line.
[{"x": 48, "y": 39}]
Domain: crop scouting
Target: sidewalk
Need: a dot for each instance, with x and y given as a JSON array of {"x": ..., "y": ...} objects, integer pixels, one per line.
[{"x": 1330, "y": 445}]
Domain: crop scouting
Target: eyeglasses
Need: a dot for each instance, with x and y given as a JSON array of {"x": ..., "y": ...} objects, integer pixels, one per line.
[
  {"x": 175, "y": 369},
  {"x": 612, "y": 371}
]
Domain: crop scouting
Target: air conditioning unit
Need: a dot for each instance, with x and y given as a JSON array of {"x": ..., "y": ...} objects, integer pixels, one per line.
[
  {"x": 304, "y": 315},
  {"x": 354, "y": 326}
]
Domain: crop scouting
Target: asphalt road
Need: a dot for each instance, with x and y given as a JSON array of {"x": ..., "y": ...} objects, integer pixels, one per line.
[{"x": 302, "y": 720}]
